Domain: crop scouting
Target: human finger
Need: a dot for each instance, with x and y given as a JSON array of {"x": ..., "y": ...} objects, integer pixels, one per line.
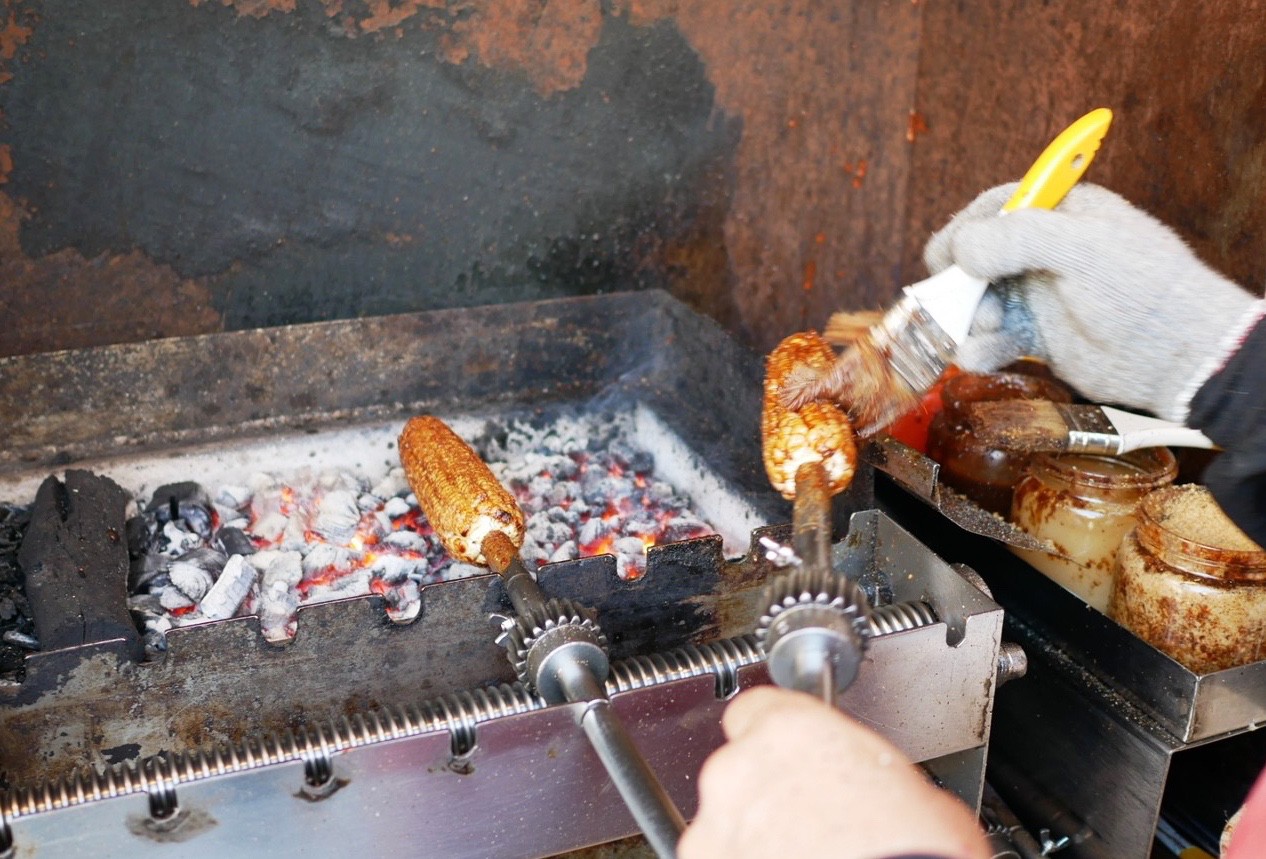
[{"x": 755, "y": 708}]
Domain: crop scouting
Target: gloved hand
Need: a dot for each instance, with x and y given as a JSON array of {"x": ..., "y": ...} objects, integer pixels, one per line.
[
  {"x": 1109, "y": 296},
  {"x": 799, "y": 778}
]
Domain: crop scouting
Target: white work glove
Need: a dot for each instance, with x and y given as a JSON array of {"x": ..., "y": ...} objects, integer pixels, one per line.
[{"x": 1110, "y": 297}]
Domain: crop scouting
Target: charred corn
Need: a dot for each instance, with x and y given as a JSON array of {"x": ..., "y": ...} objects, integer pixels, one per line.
[
  {"x": 818, "y": 432},
  {"x": 459, "y": 494}
]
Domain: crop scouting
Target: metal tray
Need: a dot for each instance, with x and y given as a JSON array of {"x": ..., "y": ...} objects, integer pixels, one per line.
[{"x": 1193, "y": 707}]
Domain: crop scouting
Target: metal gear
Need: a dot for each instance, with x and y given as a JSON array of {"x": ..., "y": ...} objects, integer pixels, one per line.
[
  {"x": 530, "y": 638},
  {"x": 817, "y": 626},
  {"x": 814, "y": 589}
]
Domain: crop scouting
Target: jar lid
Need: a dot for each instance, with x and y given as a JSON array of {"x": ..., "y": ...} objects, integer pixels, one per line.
[{"x": 1186, "y": 523}]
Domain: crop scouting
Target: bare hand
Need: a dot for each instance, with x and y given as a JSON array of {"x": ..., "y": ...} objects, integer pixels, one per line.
[{"x": 798, "y": 778}]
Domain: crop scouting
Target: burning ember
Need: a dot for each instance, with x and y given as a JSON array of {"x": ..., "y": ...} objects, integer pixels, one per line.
[{"x": 273, "y": 543}]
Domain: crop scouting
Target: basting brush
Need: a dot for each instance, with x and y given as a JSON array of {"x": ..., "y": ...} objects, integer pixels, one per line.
[
  {"x": 882, "y": 374},
  {"x": 1041, "y": 426}
]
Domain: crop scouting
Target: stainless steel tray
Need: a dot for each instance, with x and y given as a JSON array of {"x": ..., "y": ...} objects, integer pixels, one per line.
[{"x": 1193, "y": 707}]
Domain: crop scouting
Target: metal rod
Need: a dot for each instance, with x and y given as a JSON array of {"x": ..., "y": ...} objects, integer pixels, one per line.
[
  {"x": 525, "y": 594},
  {"x": 651, "y": 806},
  {"x": 573, "y": 669},
  {"x": 1024, "y": 844},
  {"x": 1031, "y": 803},
  {"x": 811, "y": 517},
  {"x": 824, "y": 682}
]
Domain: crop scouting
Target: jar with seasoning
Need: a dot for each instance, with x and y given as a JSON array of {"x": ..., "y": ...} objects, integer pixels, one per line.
[
  {"x": 1192, "y": 584},
  {"x": 1084, "y": 505},
  {"x": 983, "y": 473}
]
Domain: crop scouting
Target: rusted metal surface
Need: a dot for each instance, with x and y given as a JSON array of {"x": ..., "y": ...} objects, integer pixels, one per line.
[
  {"x": 670, "y": 700},
  {"x": 65, "y": 300},
  {"x": 61, "y": 407},
  {"x": 823, "y": 92},
  {"x": 770, "y": 163},
  {"x": 749, "y": 160},
  {"x": 287, "y": 165},
  {"x": 999, "y": 78},
  {"x": 920, "y": 476}
]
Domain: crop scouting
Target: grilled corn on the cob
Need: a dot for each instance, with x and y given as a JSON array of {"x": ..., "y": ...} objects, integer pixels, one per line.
[
  {"x": 818, "y": 432},
  {"x": 459, "y": 494}
]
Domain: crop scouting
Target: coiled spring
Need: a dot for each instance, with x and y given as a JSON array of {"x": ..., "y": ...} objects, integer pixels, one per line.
[{"x": 899, "y": 617}]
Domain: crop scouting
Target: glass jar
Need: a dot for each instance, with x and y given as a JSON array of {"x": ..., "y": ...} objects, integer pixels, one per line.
[
  {"x": 1084, "y": 505},
  {"x": 1192, "y": 584},
  {"x": 984, "y": 474}
]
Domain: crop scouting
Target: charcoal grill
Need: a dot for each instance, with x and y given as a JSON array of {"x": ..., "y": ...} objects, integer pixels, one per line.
[{"x": 414, "y": 737}]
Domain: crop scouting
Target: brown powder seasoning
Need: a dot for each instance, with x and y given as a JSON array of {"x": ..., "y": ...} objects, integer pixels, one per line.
[{"x": 1191, "y": 583}]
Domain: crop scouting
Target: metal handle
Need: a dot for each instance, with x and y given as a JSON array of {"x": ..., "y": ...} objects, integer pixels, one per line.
[{"x": 651, "y": 806}]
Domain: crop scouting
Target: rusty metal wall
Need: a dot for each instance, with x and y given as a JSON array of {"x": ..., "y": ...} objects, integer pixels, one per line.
[
  {"x": 1187, "y": 83},
  {"x": 172, "y": 167}
]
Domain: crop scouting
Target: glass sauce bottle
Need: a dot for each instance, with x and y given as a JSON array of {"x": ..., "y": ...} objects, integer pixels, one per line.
[
  {"x": 983, "y": 473},
  {"x": 1191, "y": 583},
  {"x": 1084, "y": 505}
]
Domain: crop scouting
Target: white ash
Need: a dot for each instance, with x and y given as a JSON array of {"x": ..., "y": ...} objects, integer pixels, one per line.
[
  {"x": 158, "y": 624},
  {"x": 395, "y": 507},
  {"x": 262, "y": 481},
  {"x": 410, "y": 540},
  {"x": 194, "y": 572},
  {"x": 173, "y": 600},
  {"x": 270, "y": 528},
  {"x": 326, "y": 555},
  {"x": 358, "y": 582},
  {"x": 233, "y": 497},
  {"x": 394, "y": 569},
  {"x": 278, "y": 597},
  {"x": 404, "y": 603},
  {"x": 566, "y": 552},
  {"x": 630, "y": 556},
  {"x": 393, "y": 485},
  {"x": 21, "y": 639},
  {"x": 337, "y": 516},
  {"x": 179, "y": 540},
  {"x": 593, "y": 531},
  {"x": 281, "y": 541},
  {"x": 229, "y": 590},
  {"x": 460, "y": 570},
  {"x": 284, "y": 571}
]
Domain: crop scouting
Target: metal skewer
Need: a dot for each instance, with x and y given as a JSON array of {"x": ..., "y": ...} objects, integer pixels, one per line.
[
  {"x": 558, "y": 649},
  {"x": 815, "y": 631}
]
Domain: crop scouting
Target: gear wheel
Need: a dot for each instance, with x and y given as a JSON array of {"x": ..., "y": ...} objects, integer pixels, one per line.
[
  {"x": 818, "y": 612},
  {"x": 530, "y": 638},
  {"x": 814, "y": 590}
]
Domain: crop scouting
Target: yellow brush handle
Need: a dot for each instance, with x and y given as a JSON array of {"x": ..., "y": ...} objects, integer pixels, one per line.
[{"x": 1059, "y": 167}]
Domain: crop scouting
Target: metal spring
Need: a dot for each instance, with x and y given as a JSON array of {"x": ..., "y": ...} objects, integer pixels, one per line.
[
  {"x": 458, "y": 712},
  {"x": 899, "y": 617},
  {"x": 722, "y": 659}
]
